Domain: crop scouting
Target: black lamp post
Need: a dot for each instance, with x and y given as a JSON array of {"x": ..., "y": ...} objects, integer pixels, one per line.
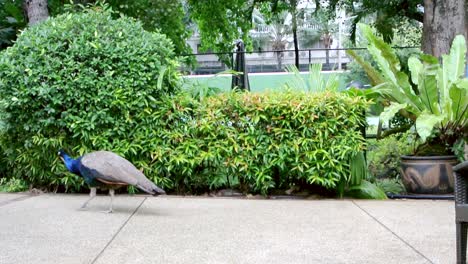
[{"x": 240, "y": 81}]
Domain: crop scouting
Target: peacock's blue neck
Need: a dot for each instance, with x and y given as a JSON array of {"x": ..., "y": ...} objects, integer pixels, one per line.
[{"x": 72, "y": 164}]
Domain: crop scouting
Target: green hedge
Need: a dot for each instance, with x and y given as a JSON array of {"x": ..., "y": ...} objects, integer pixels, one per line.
[
  {"x": 255, "y": 142},
  {"x": 78, "y": 81},
  {"x": 85, "y": 82}
]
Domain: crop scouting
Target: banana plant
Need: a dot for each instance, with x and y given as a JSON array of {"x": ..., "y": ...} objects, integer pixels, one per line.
[{"x": 433, "y": 95}]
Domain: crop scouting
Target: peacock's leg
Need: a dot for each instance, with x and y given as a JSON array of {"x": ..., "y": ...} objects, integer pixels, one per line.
[
  {"x": 111, "y": 193},
  {"x": 92, "y": 194}
]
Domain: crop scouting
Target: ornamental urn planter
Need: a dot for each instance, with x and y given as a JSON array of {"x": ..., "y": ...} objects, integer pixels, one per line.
[{"x": 428, "y": 174}]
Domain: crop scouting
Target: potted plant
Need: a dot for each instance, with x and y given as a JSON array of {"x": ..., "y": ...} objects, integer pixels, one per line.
[{"x": 434, "y": 96}]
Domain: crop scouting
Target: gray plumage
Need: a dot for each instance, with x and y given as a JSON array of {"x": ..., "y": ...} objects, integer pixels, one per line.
[
  {"x": 110, "y": 167},
  {"x": 105, "y": 169}
]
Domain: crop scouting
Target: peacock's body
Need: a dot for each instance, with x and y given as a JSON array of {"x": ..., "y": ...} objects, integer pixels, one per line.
[{"x": 107, "y": 170}]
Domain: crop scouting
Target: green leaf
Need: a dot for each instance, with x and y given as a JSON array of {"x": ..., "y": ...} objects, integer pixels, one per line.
[
  {"x": 385, "y": 49},
  {"x": 415, "y": 67},
  {"x": 161, "y": 77},
  {"x": 374, "y": 75},
  {"x": 398, "y": 86},
  {"x": 451, "y": 71},
  {"x": 367, "y": 190},
  {"x": 459, "y": 96},
  {"x": 454, "y": 63},
  {"x": 428, "y": 90},
  {"x": 390, "y": 111},
  {"x": 425, "y": 124}
]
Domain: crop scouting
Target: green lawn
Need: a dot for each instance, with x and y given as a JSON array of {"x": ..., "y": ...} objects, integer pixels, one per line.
[{"x": 258, "y": 81}]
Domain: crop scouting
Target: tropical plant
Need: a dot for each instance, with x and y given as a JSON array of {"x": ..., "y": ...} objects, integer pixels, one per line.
[
  {"x": 434, "y": 96},
  {"x": 326, "y": 28},
  {"x": 277, "y": 32},
  {"x": 316, "y": 81}
]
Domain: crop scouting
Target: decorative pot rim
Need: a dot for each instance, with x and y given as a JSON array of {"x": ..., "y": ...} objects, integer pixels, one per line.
[{"x": 447, "y": 157}]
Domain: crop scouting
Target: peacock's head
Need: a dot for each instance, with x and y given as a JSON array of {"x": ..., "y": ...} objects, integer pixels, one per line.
[{"x": 61, "y": 154}]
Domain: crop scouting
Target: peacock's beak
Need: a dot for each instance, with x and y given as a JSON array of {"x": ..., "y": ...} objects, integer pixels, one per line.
[{"x": 62, "y": 158}]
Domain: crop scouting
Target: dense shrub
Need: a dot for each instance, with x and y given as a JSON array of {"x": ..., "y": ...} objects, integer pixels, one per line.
[
  {"x": 78, "y": 81},
  {"x": 384, "y": 155},
  {"x": 85, "y": 82},
  {"x": 253, "y": 141}
]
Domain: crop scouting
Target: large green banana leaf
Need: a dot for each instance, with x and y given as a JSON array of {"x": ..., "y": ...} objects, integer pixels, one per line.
[{"x": 436, "y": 96}]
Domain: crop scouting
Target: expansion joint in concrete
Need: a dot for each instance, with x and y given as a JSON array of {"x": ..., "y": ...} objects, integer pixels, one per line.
[
  {"x": 393, "y": 233},
  {"x": 118, "y": 231}
]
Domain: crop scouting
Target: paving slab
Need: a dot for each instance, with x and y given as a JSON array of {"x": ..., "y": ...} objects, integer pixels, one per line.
[
  {"x": 197, "y": 230},
  {"x": 6, "y": 198},
  {"x": 52, "y": 228},
  {"x": 428, "y": 226}
]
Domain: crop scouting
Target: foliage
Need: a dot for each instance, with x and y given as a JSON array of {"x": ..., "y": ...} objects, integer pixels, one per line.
[
  {"x": 250, "y": 141},
  {"x": 434, "y": 98},
  {"x": 12, "y": 185},
  {"x": 201, "y": 91},
  {"x": 357, "y": 72},
  {"x": 459, "y": 150},
  {"x": 390, "y": 185},
  {"x": 325, "y": 25},
  {"x": 316, "y": 81},
  {"x": 388, "y": 13},
  {"x": 358, "y": 168},
  {"x": 367, "y": 190},
  {"x": 164, "y": 16},
  {"x": 407, "y": 33},
  {"x": 221, "y": 23},
  {"x": 11, "y": 21},
  {"x": 384, "y": 155},
  {"x": 78, "y": 81},
  {"x": 278, "y": 33},
  {"x": 261, "y": 141}
]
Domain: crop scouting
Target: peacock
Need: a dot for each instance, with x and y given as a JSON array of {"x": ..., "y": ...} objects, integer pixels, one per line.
[{"x": 107, "y": 170}]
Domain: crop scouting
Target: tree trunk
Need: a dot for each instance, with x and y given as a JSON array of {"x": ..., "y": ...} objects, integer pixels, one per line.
[
  {"x": 327, "y": 59},
  {"x": 443, "y": 20},
  {"x": 296, "y": 45},
  {"x": 466, "y": 19},
  {"x": 279, "y": 59},
  {"x": 36, "y": 10}
]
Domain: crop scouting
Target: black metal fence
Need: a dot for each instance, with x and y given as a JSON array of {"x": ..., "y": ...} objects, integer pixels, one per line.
[{"x": 274, "y": 60}]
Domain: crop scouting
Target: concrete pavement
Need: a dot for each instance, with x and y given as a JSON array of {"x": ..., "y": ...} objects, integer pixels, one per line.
[{"x": 52, "y": 229}]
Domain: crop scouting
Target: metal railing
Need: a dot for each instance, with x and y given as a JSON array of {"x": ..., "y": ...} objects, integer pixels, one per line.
[{"x": 274, "y": 60}]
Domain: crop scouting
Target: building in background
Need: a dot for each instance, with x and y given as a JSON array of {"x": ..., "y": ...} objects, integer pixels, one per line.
[{"x": 319, "y": 38}]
